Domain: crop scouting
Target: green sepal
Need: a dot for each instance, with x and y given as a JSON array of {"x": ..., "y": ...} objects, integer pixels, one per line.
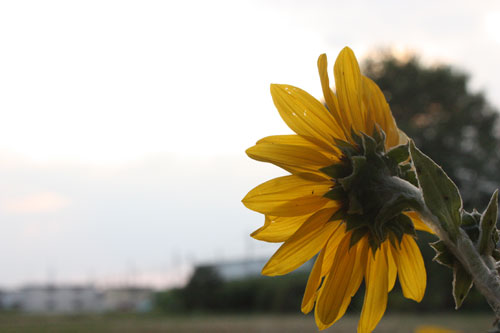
[
  {"x": 336, "y": 193},
  {"x": 397, "y": 232},
  {"x": 374, "y": 245},
  {"x": 407, "y": 225},
  {"x": 395, "y": 240},
  {"x": 356, "y": 235},
  {"x": 411, "y": 177},
  {"x": 345, "y": 147},
  {"x": 379, "y": 136},
  {"x": 337, "y": 170},
  {"x": 487, "y": 226},
  {"x": 477, "y": 215},
  {"x": 355, "y": 207},
  {"x": 439, "y": 246},
  {"x": 369, "y": 144},
  {"x": 462, "y": 282},
  {"x": 393, "y": 207},
  {"x": 357, "y": 163},
  {"x": 356, "y": 138},
  {"x": 399, "y": 153},
  {"x": 440, "y": 193},
  {"x": 445, "y": 259},
  {"x": 443, "y": 256},
  {"x": 354, "y": 222},
  {"x": 405, "y": 167},
  {"x": 340, "y": 214}
]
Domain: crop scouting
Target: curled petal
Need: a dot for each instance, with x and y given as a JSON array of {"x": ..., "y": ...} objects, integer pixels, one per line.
[{"x": 418, "y": 223}]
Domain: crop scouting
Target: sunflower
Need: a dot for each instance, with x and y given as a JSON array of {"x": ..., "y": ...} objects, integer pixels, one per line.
[{"x": 346, "y": 198}]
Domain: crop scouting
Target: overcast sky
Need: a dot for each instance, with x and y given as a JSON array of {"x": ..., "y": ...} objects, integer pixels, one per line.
[{"x": 123, "y": 124}]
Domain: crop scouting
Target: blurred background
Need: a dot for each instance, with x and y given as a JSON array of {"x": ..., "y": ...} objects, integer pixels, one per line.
[{"x": 122, "y": 135}]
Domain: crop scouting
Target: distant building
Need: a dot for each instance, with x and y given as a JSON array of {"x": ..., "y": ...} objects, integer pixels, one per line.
[
  {"x": 128, "y": 299},
  {"x": 235, "y": 270},
  {"x": 76, "y": 299},
  {"x": 54, "y": 299}
]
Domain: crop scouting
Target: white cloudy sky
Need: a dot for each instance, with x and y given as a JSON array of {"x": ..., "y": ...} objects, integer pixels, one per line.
[{"x": 123, "y": 124}]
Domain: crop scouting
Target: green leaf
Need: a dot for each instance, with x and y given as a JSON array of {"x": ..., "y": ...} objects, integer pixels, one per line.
[
  {"x": 399, "y": 153},
  {"x": 440, "y": 193},
  {"x": 462, "y": 282},
  {"x": 445, "y": 259},
  {"x": 443, "y": 256},
  {"x": 470, "y": 225},
  {"x": 487, "y": 226}
]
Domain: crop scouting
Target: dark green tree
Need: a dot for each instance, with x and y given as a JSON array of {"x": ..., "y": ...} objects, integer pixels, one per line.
[
  {"x": 457, "y": 128},
  {"x": 202, "y": 290}
]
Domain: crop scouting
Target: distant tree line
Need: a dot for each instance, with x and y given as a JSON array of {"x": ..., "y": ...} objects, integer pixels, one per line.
[{"x": 207, "y": 292}]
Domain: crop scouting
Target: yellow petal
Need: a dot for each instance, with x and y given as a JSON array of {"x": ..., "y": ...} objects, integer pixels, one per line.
[
  {"x": 411, "y": 269},
  {"x": 392, "y": 269},
  {"x": 303, "y": 245},
  {"x": 330, "y": 98},
  {"x": 279, "y": 229},
  {"x": 375, "y": 301},
  {"x": 335, "y": 294},
  {"x": 378, "y": 112},
  {"x": 297, "y": 140},
  {"x": 331, "y": 248},
  {"x": 349, "y": 88},
  {"x": 312, "y": 285},
  {"x": 418, "y": 223},
  {"x": 295, "y": 159},
  {"x": 305, "y": 115},
  {"x": 362, "y": 254},
  {"x": 403, "y": 138},
  {"x": 288, "y": 196}
]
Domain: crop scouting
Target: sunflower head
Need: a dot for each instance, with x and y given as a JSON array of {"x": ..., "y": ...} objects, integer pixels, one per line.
[
  {"x": 374, "y": 187},
  {"x": 350, "y": 189}
]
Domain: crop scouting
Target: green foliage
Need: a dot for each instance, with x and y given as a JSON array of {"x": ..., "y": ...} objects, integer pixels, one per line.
[
  {"x": 488, "y": 234},
  {"x": 440, "y": 193},
  {"x": 453, "y": 126}
]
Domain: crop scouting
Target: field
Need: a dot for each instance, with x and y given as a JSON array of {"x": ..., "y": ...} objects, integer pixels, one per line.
[{"x": 404, "y": 323}]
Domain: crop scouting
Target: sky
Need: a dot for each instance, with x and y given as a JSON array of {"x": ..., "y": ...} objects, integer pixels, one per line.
[{"x": 123, "y": 124}]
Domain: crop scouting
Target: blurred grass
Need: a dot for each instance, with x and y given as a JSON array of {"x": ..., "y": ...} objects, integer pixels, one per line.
[{"x": 392, "y": 323}]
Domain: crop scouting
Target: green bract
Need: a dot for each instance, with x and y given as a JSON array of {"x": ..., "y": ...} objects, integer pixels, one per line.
[{"x": 376, "y": 186}]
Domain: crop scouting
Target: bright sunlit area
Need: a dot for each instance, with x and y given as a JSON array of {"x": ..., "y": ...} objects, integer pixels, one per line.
[{"x": 123, "y": 130}]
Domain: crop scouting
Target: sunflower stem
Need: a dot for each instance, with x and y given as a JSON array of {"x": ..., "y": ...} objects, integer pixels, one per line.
[{"x": 486, "y": 278}]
